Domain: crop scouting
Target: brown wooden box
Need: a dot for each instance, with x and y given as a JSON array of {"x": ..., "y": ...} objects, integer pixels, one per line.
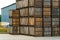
[
  {"x": 10, "y": 29},
  {"x": 55, "y": 4},
  {"x": 24, "y": 12},
  {"x": 31, "y": 2},
  {"x": 26, "y": 30},
  {"x": 19, "y": 4},
  {"x": 10, "y": 13},
  {"x": 31, "y": 11},
  {"x": 31, "y": 30},
  {"x": 15, "y": 13},
  {"x": 10, "y": 21}
]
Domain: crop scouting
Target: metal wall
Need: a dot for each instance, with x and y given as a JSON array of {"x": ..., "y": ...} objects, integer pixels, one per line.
[{"x": 5, "y": 12}]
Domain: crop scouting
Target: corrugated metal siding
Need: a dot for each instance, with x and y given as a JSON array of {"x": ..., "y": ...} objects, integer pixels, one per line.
[{"x": 5, "y": 12}]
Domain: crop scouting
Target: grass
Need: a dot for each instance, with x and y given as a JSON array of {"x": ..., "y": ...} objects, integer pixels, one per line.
[{"x": 3, "y": 29}]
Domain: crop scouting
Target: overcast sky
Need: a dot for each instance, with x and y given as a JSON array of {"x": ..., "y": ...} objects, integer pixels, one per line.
[{"x": 4, "y": 3}]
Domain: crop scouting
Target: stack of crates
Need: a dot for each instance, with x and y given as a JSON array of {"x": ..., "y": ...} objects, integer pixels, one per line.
[{"x": 35, "y": 18}]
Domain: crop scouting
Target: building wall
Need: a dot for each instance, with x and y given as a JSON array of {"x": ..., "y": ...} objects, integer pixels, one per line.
[{"x": 5, "y": 12}]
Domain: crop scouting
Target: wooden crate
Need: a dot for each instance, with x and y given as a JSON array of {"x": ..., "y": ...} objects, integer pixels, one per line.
[
  {"x": 46, "y": 0},
  {"x": 25, "y": 30},
  {"x": 39, "y": 24},
  {"x": 19, "y": 4},
  {"x": 31, "y": 2},
  {"x": 18, "y": 0},
  {"x": 25, "y": 3},
  {"x": 38, "y": 3},
  {"x": 11, "y": 30},
  {"x": 55, "y": 29},
  {"x": 10, "y": 13},
  {"x": 23, "y": 21},
  {"x": 10, "y": 21},
  {"x": 31, "y": 11},
  {"x": 55, "y": 4},
  {"x": 31, "y": 31},
  {"x": 55, "y": 0},
  {"x": 15, "y": 22},
  {"x": 21, "y": 30},
  {"x": 38, "y": 33},
  {"x": 31, "y": 21},
  {"x": 24, "y": 12},
  {"x": 47, "y": 33},
  {"x": 15, "y": 30},
  {"x": 18, "y": 30},
  {"x": 55, "y": 33},
  {"x": 15, "y": 13},
  {"x": 47, "y": 4}
]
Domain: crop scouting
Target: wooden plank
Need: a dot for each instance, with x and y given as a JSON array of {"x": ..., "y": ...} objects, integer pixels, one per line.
[
  {"x": 38, "y": 33},
  {"x": 38, "y": 29}
]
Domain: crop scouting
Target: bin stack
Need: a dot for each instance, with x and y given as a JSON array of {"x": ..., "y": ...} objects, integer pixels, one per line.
[{"x": 35, "y": 18}]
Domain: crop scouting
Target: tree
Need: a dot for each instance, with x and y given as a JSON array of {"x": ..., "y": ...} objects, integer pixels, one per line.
[{"x": 0, "y": 18}]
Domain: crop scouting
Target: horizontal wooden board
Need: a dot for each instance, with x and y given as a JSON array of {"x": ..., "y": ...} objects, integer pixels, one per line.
[
  {"x": 38, "y": 33},
  {"x": 38, "y": 29}
]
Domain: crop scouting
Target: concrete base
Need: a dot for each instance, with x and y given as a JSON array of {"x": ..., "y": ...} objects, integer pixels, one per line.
[{"x": 22, "y": 37}]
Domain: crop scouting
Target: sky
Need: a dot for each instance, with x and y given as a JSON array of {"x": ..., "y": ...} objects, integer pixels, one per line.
[{"x": 4, "y": 3}]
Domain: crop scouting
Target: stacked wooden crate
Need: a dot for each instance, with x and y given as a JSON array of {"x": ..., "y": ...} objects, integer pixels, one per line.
[
  {"x": 14, "y": 22},
  {"x": 35, "y": 17},
  {"x": 23, "y": 20}
]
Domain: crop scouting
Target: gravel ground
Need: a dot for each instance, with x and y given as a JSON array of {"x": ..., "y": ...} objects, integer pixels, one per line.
[{"x": 22, "y": 37}]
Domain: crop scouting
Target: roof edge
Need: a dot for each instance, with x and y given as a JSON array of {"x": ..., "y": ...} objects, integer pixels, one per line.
[{"x": 8, "y": 5}]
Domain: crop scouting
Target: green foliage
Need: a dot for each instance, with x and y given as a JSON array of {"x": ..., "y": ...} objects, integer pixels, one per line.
[
  {"x": 3, "y": 30},
  {"x": 0, "y": 18}
]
